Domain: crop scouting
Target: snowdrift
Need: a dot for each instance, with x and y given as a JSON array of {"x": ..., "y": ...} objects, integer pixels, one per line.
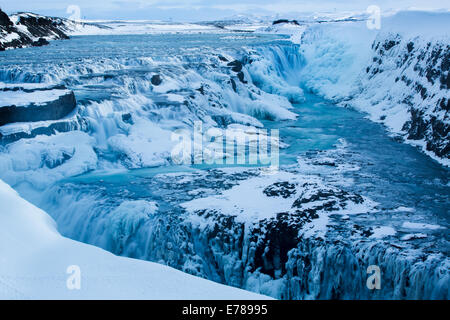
[{"x": 35, "y": 258}]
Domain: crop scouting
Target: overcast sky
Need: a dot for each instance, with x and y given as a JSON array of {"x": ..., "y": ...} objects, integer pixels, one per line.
[{"x": 196, "y": 10}]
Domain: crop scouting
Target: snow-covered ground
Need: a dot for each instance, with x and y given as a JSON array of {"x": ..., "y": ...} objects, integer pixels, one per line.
[
  {"x": 36, "y": 262},
  {"x": 136, "y": 27}
]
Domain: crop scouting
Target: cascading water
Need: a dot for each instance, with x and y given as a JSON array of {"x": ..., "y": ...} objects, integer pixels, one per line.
[{"x": 336, "y": 207}]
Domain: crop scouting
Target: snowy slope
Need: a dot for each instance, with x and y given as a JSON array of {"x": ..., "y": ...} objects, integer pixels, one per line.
[
  {"x": 399, "y": 74},
  {"x": 35, "y": 257}
]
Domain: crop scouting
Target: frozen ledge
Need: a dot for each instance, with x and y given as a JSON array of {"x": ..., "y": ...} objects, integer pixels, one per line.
[{"x": 39, "y": 105}]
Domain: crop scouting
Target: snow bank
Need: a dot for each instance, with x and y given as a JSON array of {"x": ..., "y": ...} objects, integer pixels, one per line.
[{"x": 35, "y": 258}]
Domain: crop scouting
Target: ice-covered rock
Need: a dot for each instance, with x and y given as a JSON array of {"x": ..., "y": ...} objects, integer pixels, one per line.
[
  {"x": 398, "y": 75},
  {"x": 35, "y": 105}
]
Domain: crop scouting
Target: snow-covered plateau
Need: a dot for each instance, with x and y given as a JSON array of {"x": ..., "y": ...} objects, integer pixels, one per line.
[{"x": 87, "y": 136}]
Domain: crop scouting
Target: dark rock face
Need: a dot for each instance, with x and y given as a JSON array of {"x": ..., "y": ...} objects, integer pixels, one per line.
[
  {"x": 43, "y": 28},
  {"x": 422, "y": 82},
  {"x": 223, "y": 59},
  {"x": 156, "y": 80},
  {"x": 222, "y": 120},
  {"x": 4, "y": 20},
  {"x": 235, "y": 65},
  {"x": 280, "y": 21},
  {"x": 52, "y": 110},
  {"x": 40, "y": 42},
  {"x": 241, "y": 77}
]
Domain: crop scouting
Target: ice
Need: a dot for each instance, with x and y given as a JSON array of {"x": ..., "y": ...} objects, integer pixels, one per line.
[
  {"x": 28, "y": 86},
  {"x": 390, "y": 73},
  {"x": 250, "y": 201},
  {"x": 91, "y": 27},
  {"x": 412, "y": 236},
  {"x": 21, "y": 98},
  {"x": 187, "y": 93},
  {"x": 420, "y": 226},
  {"x": 45, "y": 159},
  {"x": 146, "y": 145}
]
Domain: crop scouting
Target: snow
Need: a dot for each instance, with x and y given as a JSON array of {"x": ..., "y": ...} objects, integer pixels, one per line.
[
  {"x": 294, "y": 31},
  {"x": 413, "y": 23},
  {"x": 246, "y": 200},
  {"x": 9, "y": 37},
  {"x": 343, "y": 64},
  {"x": 249, "y": 204},
  {"x": 28, "y": 127},
  {"x": 418, "y": 226},
  {"x": 146, "y": 145},
  {"x": 27, "y": 86},
  {"x": 155, "y": 111},
  {"x": 137, "y": 27},
  {"x": 382, "y": 232},
  {"x": 413, "y": 236},
  {"x": 332, "y": 63},
  {"x": 404, "y": 209},
  {"x": 35, "y": 259},
  {"x": 38, "y": 97},
  {"x": 175, "y": 97}
]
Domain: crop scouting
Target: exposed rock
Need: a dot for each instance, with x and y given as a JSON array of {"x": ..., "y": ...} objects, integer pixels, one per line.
[
  {"x": 40, "y": 42},
  {"x": 39, "y": 26},
  {"x": 241, "y": 77},
  {"x": 222, "y": 120},
  {"x": 127, "y": 118},
  {"x": 50, "y": 110},
  {"x": 280, "y": 189},
  {"x": 279, "y": 21},
  {"x": 222, "y": 58},
  {"x": 156, "y": 80},
  {"x": 28, "y": 29},
  {"x": 235, "y": 65},
  {"x": 421, "y": 84},
  {"x": 4, "y": 20}
]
